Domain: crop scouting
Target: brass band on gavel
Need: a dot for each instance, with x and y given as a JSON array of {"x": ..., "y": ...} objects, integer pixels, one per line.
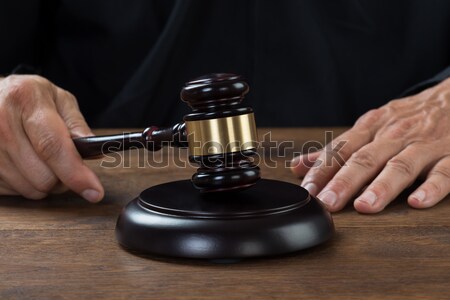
[{"x": 222, "y": 135}]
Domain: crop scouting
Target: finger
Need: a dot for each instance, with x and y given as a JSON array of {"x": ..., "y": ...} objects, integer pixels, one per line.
[
  {"x": 53, "y": 145},
  {"x": 332, "y": 157},
  {"x": 435, "y": 188},
  {"x": 7, "y": 190},
  {"x": 14, "y": 182},
  {"x": 67, "y": 106},
  {"x": 399, "y": 173},
  {"x": 301, "y": 164},
  {"x": 25, "y": 159},
  {"x": 362, "y": 166},
  {"x": 59, "y": 188}
]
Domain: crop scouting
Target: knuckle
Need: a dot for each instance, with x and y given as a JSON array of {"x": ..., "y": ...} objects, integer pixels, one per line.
[
  {"x": 434, "y": 188},
  {"x": 19, "y": 87},
  {"x": 364, "y": 159},
  {"x": 395, "y": 103},
  {"x": 68, "y": 96},
  {"x": 381, "y": 187},
  {"x": 441, "y": 171},
  {"x": 399, "y": 129},
  {"x": 74, "y": 123},
  {"x": 406, "y": 124},
  {"x": 319, "y": 173},
  {"x": 370, "y": 117},
  {"x": 403, "y": 165},
  {"x": 343, "y": 150},
  {"x": 47, "y": 184},
  {"x": 341, "y": 183},
  {"x": 48, "y": 146},
  {"x": 334, "y": 158},
  {"x": 21, "y": 92}
]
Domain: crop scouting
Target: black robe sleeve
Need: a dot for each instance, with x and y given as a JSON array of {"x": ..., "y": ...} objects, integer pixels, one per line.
[
  {"x": 417, "y": 88},
  {"x": 20, "y": 26}
]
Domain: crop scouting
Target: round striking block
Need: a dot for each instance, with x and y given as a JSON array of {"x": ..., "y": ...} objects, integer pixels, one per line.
[{"x": 271, "y": 218}]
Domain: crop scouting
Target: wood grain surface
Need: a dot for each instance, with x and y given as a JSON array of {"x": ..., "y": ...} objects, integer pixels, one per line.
[{"x": 64, "y": 248}]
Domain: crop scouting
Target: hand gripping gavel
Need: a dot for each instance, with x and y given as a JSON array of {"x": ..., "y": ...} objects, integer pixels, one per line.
[{"x": 220, "y": 134}]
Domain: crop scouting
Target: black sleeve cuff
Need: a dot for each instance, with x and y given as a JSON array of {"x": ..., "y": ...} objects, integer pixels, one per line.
[
  {"x": 415, "y": 89},
  {"x": 24, "y": 69}
]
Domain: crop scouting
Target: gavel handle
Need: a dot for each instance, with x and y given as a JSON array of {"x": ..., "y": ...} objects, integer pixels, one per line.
[
  {"x": 152, "y": 138},
  {"x": 95, "y": 146}
]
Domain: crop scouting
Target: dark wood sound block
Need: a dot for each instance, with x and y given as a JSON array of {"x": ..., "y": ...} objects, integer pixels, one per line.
[{"x": 270, "y": 218}]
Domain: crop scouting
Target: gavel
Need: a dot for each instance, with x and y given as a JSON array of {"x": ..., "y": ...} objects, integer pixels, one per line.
[
  {"x": 219, "y": 132},
  {"x": 226, "y": 219}
]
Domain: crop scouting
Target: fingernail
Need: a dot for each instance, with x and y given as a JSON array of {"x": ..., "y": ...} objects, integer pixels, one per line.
[
  {"x": 368, "y": 197},
  {"x": 328, "y": 197},
  {"x": 419, "y": 195},
  {"x": 311, "y": 188},
  {"x": 90, "y": 195},
  {"x": 295, "y": 161},
  {"x": 76, "y": 133}
]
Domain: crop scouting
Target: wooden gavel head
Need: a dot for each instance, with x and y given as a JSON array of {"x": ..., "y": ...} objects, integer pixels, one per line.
[{"x": 221, "y": 133}]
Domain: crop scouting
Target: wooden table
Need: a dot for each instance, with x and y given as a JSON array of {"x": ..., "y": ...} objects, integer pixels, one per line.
[{"x": 64, "y": 248}]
